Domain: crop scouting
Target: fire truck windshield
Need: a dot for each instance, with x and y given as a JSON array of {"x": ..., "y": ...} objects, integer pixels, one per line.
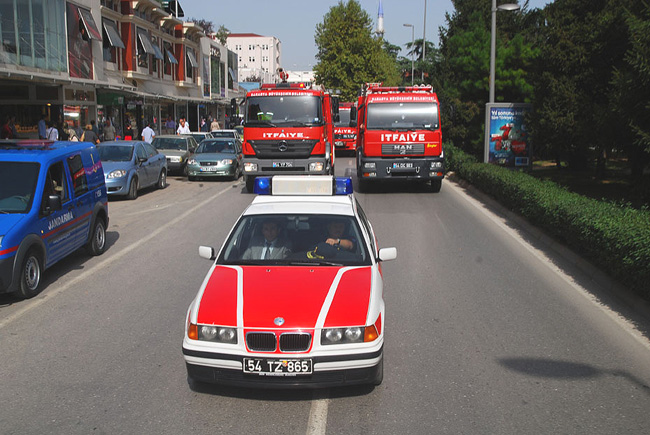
[
  {"x": 286, "y": 111},
  {"x": 402, "y": 116},
  {"x": 344, "y": 120}
]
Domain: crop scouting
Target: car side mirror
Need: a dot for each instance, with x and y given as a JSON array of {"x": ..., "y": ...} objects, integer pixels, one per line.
[
  {"x": 387, "y": 254},
  {"x": 53, "y": 203},
  {"x": 142, "y": 159},
  {"x": 207, "y": 252}
]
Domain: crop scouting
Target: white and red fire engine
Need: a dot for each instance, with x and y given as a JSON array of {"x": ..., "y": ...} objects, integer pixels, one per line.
[
  {"x": 399, "y": 135},
  {"x": 345, "y": 135}
]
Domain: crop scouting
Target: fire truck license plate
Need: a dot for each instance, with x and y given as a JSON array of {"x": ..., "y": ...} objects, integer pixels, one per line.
[
  {"x": 282, "y": 164},
  {"x": 402, "y": 165},
  {"x": 277, "y": 367}
]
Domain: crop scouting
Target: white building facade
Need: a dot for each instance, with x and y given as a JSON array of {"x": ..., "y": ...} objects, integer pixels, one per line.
[{"x": 259, "y": 57}]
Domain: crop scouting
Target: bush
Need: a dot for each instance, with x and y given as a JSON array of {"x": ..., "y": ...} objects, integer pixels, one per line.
[{"x": 616, "y": 238}]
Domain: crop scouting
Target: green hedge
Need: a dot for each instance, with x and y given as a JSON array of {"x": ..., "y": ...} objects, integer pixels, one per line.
[{"x": 615, "y": 238}]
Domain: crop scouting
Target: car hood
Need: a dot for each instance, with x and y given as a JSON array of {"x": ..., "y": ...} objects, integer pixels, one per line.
[
  {"x": 177, "y": 153},
  {"x": 7, "y": 222},
  {"x": 211, "y": 157},
  {"x": 254, "y": 296}
]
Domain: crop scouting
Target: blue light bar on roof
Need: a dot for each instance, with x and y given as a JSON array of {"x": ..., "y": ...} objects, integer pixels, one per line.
[{"x": 304, "y": 185}]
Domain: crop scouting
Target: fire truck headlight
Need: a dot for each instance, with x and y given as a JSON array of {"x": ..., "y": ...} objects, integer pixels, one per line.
[
  {"x": 370, "y": 165},
  {"x": 436, "y": 165},
  {"x": 316, "y": 167},
  {"x": 250, "y": 167}
]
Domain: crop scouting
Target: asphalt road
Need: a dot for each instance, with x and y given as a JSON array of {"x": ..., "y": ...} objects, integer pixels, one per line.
[{"x": 488, "y": 331}]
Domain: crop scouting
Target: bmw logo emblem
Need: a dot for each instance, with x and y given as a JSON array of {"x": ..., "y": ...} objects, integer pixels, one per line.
[{"x": 279, "y": 321}]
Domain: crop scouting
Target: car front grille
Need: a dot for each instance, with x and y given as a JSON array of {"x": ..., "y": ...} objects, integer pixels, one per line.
[
  {"x": 402, "y": 149},
  {"x": 261, "y": 341},
  {"x": 290, "y": 342},
  {"x": 285, "y": 149},
  {"x": 209, "y": 163},
  {"x": 267, "y": 342}
]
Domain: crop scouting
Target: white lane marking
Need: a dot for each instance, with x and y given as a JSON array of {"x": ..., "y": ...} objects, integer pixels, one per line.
[
  {"x": 317, "y": 424},
  {"x": 37, "y": 302},
  {"x": 625, "y": 324}
]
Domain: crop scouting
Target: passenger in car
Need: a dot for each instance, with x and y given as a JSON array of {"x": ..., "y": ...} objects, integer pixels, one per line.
[{"x": 269, "y": 247}]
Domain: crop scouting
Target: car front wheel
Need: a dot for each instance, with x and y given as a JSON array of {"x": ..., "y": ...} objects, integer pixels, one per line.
[{"x": 30, "y": 275}]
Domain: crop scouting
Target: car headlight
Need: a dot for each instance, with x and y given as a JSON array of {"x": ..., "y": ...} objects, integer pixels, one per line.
[
  {"x": 1, "y": 240},
  {"x": 118, "y": 173},
  {"x": 217, "y": 334},
  {"x": 250, "y": 167},
  {"x": 226, "y": 162},
  {"x": 353, "y": 334},
  {"x": 192, "y": 162},
  {"x": 175, "y": 159}
]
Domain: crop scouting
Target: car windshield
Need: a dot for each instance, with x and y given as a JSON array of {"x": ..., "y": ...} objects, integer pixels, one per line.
[
  {"x": 18, "y": 182},
  {"x": 286, "y": 111},
  {"x": 223, "y": 134},
  {"x": 344, "y": 118},
  {"x": 402, "y": 116},
  {"x": 115, "y": 153},
  {"x": 171, "y": 143},
  {"x": 216, "y": 146},
  {"x": 296, "y": 240}
]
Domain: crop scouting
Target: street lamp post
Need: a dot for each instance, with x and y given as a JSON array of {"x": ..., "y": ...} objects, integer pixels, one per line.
[
  {"x": 424, "y": 39},
  {"x": 493, "y": 40},
  {"x": 412, "y": 49}
]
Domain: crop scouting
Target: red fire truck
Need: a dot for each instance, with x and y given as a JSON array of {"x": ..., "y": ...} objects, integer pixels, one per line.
[
  {"x": 288, "y": 129},
  {"x": 345, "y": 136},
  {"x": 399, "y": 135}
]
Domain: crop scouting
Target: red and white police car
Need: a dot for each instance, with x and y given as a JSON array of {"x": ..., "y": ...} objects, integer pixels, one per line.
[{"x": 294, "y": 298}]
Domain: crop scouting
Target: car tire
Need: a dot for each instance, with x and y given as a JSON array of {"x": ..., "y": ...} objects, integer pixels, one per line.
[
  {"x": 97, "y": 244},
  {"x": 380, "y": 373},
  {"x": 436, "y": 185},
  {"x": 31, "y": 270},
  {"x": 250, "y": 184},
  {"x": 133, "y": 189},
  {"x": 191, "y": 178},
  {"x": 185, "y": 171},
  {"x": 162, "y": 180}
]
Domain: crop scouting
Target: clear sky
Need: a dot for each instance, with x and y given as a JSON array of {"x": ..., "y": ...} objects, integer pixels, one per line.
[{"x": 294, "y": 22}]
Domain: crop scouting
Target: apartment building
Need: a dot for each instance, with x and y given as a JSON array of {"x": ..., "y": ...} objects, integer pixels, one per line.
[
  {"x": 130, "y": 62},
  {"x": 259, "y": 57}
]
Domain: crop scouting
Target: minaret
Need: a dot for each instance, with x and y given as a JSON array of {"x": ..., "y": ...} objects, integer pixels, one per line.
[{"x": 380, "y": 22}]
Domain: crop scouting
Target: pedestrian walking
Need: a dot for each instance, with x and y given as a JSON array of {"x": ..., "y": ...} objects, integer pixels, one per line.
[
  {"x": 109, "y": 131},
  {"x": 42, "y": 128},
  {"x": 215, "y": 125},
  {"x": 72, "y": 134},
  {"x": 183, "y": 128},
  {"x": 6, "y": 132},
  {"x": 89, "y": 135},
  {"x": 52, "y": 133},
  {"x": 148, "y": 134}
]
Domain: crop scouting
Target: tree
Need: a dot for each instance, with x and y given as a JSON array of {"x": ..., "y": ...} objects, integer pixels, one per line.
[
  {"x": 222, "y": 34},
  {"x": 460, "y": 69},
  {"x": 348, "y": 55},
  {"x": 208, "y": 26}
]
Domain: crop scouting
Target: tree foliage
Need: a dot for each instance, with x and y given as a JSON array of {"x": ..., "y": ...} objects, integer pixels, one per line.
[
  {"x": 222, "y": 34},
  {"x": 206, "y": 25},
  {"x": 347, "y": 53}
]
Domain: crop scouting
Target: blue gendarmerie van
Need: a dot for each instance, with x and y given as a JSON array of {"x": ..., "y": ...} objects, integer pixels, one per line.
[{"x": 52, "y": 202}]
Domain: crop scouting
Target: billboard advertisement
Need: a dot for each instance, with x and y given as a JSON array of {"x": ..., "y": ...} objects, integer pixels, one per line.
[{"x": 506, "y": 135}]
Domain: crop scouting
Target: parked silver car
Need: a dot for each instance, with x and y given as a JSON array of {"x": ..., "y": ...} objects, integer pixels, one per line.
[{"x": 177, "y": 150}]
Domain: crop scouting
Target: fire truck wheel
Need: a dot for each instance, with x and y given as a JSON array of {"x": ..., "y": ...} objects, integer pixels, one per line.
[
  {"x": 250, "y": 184},
  {"x": 436, "y": 185}
]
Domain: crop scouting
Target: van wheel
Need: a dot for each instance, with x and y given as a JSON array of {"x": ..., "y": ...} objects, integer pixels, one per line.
[
  {"x": 30, "y": 275},
  {"x": 97, "y": 243},
  {"x": 133, "y": 189},
  {"x": 250, "y": 184},
  {"x": 162, "y": 180}
]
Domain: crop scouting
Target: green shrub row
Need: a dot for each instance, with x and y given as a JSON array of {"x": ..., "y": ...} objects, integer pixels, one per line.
[{"x": 614, "y": 238}]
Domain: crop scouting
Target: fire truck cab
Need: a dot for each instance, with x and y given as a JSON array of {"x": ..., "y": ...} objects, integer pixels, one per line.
[
  {"x": 288, "y": 129},
  {"x": 345, "y": 136},
  {"x": 399, "y": 135}
]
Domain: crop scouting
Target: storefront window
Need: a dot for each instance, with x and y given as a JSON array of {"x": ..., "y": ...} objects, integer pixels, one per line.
[{"x": 81, "y": 30}]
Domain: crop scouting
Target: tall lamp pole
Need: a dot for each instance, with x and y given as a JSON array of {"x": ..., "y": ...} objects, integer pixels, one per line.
[
  {"x": 493, "y": 40},
  {"x": 412, "y": 50},
  {"x": 424, "y": 38}
]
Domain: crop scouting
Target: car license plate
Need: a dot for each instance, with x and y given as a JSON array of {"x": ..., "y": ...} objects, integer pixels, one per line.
[
  {"x": 402, "y": 165},
  {"x": 282, "y": 164},
  {"x": 277, "y": 367},
  {"x": 209, "y": 169}
]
